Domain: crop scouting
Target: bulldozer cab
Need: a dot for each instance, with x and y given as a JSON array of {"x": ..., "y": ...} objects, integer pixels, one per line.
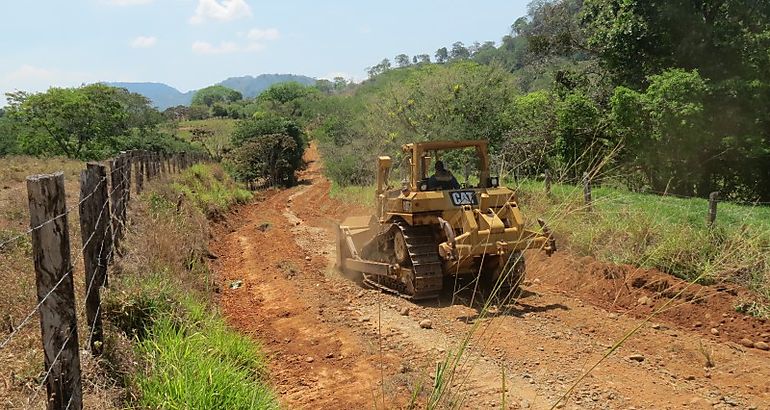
[
  {"x": 465, "y": 161},
  {"x": 465, "y": 182}
]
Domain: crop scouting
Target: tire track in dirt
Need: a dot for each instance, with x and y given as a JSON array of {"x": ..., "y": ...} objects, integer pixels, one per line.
[{"x": 334, "y": 345}]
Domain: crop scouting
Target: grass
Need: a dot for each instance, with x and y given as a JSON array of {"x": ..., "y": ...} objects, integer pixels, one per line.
[
  {"x": 210, "y": 189},
  {"x": 22, "y": 358},
  {"x": 186, "y": 355},
  {"x": 220, "y": 129},
  {"x": 663, "y": 232},
  {"x": 352, "y": 194}
]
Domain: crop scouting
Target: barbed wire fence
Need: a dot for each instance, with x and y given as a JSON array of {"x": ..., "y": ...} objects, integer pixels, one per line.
[{"x": 102, "y": 212}]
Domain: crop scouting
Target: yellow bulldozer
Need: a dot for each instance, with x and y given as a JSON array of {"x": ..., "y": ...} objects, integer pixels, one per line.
[{"x": 433, "y": 227}]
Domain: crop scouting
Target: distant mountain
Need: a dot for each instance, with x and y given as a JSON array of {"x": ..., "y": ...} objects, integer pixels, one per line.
[
  {"x": 161, "y": 95},
  {"x": 164, "y": 96},
  {"x": 251, "y": 87}
]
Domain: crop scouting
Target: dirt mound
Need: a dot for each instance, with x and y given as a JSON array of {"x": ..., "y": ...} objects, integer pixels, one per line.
[{"x": 636, "y": 292}]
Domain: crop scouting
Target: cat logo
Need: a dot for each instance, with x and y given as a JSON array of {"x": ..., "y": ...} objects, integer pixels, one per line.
[{"x": 460, "y": 198}]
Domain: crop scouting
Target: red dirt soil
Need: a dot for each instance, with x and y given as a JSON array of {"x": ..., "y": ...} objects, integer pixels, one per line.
[{"x": 336, "y": 345}]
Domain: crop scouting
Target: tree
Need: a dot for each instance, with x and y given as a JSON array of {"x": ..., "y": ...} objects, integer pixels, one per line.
[
  {"x": 442, "y": 55},
  {"x": 216, "y": 93},
  {"x": 459, "y": 52},
  {"x": 402, "y": 60},
  {"x": 268, "y": 147},
  {"x": 325, "y": 86},
  {"x": 76, "y": 122},
  {"x": 380, "y": 68},
  {"x": 286, "y": 98},
  {"x": 670, "y": 113},
  {"x": 141, "y": 114},
  {"x": 552, "y": 28},
  {"x": 422, "y": 59}
]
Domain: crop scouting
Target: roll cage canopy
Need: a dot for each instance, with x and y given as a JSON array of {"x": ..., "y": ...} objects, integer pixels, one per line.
[{"x": 419, "y": 158}]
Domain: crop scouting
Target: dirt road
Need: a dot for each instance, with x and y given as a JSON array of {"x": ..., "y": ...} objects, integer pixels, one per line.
[{"x": 336, "y": 345}]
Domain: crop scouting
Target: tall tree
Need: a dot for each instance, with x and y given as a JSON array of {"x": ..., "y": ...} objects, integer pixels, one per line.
[
  {"x": 442, "y": 55},
  {"x": 459, "y": 52},
  {"x": 216, "y": 93},
  {"x": 72, "y": 119},
  {"x": 402, "y": 60}
]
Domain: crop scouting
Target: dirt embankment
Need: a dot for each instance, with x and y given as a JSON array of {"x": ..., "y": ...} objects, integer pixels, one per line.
[{"x": 336, "y": 345}]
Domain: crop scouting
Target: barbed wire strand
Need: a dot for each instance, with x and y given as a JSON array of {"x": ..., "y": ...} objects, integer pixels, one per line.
[
  {"x": 68, "y": 210},
  {"x": 56, "y": 286}
]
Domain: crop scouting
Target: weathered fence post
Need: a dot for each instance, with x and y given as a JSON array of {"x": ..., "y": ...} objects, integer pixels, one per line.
[
  {"x": 97, "y": 242},
  {"x": 138, "y": 171},
  {"x": 55, "y": 291},
  {"x": 713, "y": 200},
  {"x": 587, "y": 192},
  {"x": 116, "y": 200},
  {"x": 126, "y": 175},
  {"x": 547, "y": 182}
]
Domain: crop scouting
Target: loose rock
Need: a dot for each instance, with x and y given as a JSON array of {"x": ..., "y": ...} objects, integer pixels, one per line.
[
  {"x": 714, "y": 331},
  {"x": 636, "y": 357},
  {"x": 426, "y": 324},
  {"x": 644, "y": 300},
  {"x": 746, "y": 342},
  {"x": 762, "y": 346},
  {"x": 309, "y": 359},
  {"x": 404, "y": 311}
]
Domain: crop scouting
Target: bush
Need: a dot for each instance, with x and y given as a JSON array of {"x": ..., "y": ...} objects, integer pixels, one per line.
[{"x": 268, "y": 147}]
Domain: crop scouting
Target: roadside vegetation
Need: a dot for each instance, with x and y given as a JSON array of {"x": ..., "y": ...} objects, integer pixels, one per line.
[{"x": 162, "y": 303}]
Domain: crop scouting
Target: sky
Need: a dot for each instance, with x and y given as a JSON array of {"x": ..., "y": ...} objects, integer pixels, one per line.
[{"x": 190, "y": 44}]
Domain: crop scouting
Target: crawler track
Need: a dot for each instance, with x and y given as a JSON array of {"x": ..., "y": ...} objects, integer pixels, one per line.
[{"x": 425, "y": 264}]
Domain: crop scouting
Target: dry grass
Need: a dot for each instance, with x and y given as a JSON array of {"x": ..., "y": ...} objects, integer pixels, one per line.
[{"x": 21, "y": 361}]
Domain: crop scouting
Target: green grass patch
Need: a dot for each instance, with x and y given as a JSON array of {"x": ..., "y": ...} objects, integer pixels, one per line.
[
  {"x": 663, "y": 232},
  {"x": 218, "y": 132},
  {"x": 201, "y": 364},
  {"x": 209, "y": 187},
  {"x": 353, "y": 194}
]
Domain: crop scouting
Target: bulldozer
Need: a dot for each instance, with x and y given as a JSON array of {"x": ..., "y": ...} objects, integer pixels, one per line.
[{"x": 423, "y": 232}]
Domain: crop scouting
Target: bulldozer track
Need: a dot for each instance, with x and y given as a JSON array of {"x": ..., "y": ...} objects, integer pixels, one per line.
[{"x": 424, "y": 260}]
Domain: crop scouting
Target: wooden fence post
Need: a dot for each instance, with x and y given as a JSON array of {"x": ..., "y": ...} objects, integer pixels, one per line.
[
  {"x": 713, "y": 200},
  {"x": 55, "y": 291},
  {"x": 97, "y": 242},
  {"x": 116, "y": 200},
  {"x": 587, "y": 192},
  {"x": 547, "y": 182},
  {"x": 127, "y": 175},
  {"x": 138, "y": 174}
]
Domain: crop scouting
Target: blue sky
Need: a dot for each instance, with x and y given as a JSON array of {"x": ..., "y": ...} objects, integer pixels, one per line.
[{"x": 190, "y": 44}]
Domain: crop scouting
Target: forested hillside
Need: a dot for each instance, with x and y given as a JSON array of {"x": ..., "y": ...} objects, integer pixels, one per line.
[{"x": 655, "y": 96}]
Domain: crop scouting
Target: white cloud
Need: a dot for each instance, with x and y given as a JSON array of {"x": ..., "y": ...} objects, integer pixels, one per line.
[
  {"x": 225, "y": 47},
  {"x": 127, "y": 2},
  {"x": 143, "y": 42},
  {"x": 221, "y": 10},
  {"x": 255, "y": 40},
  {"x": 268, "y": 34}
]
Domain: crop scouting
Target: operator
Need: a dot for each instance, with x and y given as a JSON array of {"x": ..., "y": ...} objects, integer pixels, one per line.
[{"x": 443, "y": 178}]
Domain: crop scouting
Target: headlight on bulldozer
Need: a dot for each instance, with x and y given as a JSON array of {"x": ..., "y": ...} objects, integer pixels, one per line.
[
  {"x": 494, "y": 182},
  {"x": 406, "y": 205}
]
